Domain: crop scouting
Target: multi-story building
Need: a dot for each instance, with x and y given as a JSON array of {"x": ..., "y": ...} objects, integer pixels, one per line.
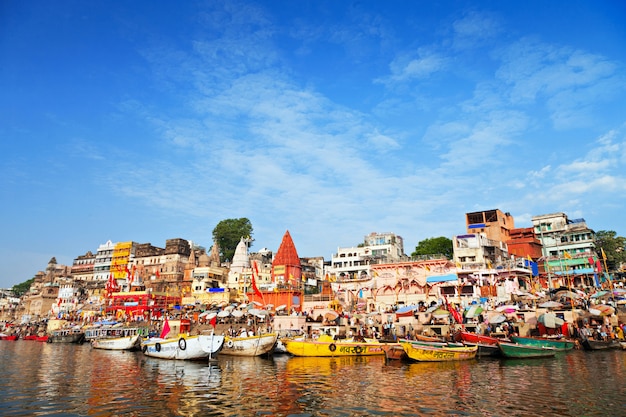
[
  {"x": 485, "y": 243},
  {"x": 102, "y": 264},
  {"x": 494, "y": 224},
  {"x": 83, "y": 267},
  {"x": 523, "y": 243},
  {"x": 354, "y": 262},
  {"x": 120, "y": 260},
  {"x": 568, "y": 248}
]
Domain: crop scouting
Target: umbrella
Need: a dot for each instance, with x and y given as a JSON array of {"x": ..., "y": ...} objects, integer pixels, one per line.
[
  {"x": 600, "y": 294},
  {"x": 229, "y": 308},
  {"x": 432, "y": 308},
  {"x": 497, "y": 319},
  {"x": 550, "y": 320},
  {"x": 619, "y": 291},
  {"x": 262, "y": 313},
  {"x": 242, "y": 305},
  {"x": 254, "y": 311},
  {"x": 331, "y": 315},
  {"x": 551, "y": 304},
  {"x": 507, "y": 308},
  {"x": 601, "y": 310},
  {"x": 281, "y": 307},
  {"x": 223, "y": 313},
  {"x": 406, "y": 309},
  {"x": 473, "y": 311},
  {"x": 567, "y": 294},
  {"x": 237, "y": 313},
  {"x": 269, "y": 306},
  {"x": 441, "y": 314},
  {"x": 257, "y": 303},
  {"x": 210, "y": 315}
]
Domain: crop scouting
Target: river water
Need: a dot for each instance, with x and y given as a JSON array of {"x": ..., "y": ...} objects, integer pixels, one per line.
[{"x": 71, "y": 380}]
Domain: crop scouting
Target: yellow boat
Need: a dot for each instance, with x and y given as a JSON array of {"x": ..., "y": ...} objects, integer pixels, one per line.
[
  {"x": 424, "y": 353},
  {"x": 325, "y": 345}
]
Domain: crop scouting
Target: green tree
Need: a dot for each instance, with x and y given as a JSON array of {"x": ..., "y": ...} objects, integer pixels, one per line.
[
  {"x": 21, "y": 289},
  {"x": 435, "y": 246},
  {"x": 228, "y": 233},
  {"x": 613, "y": 246}
]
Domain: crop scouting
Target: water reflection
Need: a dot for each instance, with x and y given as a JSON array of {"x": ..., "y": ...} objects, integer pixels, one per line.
[{"x": 43, "y": 379}]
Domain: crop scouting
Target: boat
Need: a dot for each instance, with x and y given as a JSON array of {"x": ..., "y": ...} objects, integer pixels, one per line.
[
  {"x": 464, "y": 337},
  {"x": 183, "y": 346},
  {"x": 249, "y": 345},
  {"x": 115, "y": 337},
  {"x": 11, "y": 337},
  {"x": 485, "y": 350},
  {"x": 36, "y": 337},
  {"x": 515, "y": 350},
  {"x": 326, "y": 345},
  {"x": 593, "y": 344},
  {"x": 558, "y": 344},
  {"x": 67, "y": 335},
  {"x": 394, "y": 351},
  {"x": 623, "y": 345},
  {"x": 129, "y": 341},
  {"x": 435, "y": 353}
]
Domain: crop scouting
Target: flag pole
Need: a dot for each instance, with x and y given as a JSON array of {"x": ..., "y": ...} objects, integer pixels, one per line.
[{"x": 606, "y": 268}]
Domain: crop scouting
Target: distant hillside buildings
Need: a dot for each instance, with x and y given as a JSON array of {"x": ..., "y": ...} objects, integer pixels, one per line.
[{"x": 491, "y": 252}]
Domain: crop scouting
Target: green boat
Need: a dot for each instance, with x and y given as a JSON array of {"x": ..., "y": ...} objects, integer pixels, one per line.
[
  {"x": 515, "y": 350},
  {"x": 558, "y": 344}
]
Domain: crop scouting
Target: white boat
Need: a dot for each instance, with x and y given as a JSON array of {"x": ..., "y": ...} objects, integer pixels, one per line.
[
  {"x": 249, "y": 345},
  {"x": 183, "y": 346},
  {"x": 115, "y": 337},
  {"x": 117, "y": 343}
]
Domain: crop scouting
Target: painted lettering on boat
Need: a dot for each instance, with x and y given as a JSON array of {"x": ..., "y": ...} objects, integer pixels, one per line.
[{"x": 355, "y": 350}]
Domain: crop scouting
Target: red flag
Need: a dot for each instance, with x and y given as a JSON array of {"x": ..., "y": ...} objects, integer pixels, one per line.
[
  {"x": 166, "y": 329},
  {"x": 591, "y": 261},
  {"x": 213, "y": 321},
  {"x": 255, "y": 271},
  {"x": 455, "y": 313},
  {"x": 599, "y": 266}
]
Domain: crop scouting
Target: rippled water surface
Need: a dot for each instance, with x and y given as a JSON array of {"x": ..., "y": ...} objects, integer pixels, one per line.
[{"x": 58, "y": 379}]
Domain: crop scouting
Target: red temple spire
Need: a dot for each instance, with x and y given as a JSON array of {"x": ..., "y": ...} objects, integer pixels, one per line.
[{"x": 286, "y": 265}]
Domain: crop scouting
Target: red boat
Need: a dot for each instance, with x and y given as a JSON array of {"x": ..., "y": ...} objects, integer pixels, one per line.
[
  {"x": 478, "y": 338},
  {"x": 36, "y": 338},
  {"x": 9, "y": 337}
]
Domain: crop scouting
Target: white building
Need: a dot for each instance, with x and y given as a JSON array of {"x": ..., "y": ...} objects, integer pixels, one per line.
[{"x": 354, "y": 263}]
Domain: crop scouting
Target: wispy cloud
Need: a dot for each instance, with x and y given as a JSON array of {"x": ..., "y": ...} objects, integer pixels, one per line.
[{"x": 414, "y": 66}]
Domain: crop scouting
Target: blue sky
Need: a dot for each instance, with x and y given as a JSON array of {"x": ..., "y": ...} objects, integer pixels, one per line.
[{"x": 149, "y": 120}]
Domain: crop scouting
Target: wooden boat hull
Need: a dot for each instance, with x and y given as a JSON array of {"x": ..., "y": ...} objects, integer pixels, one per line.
[
  {"x": 591, "y": 344},
  {"x": 72, "y": 337},
  {"x": 514, "y": 350},
  {"x": 486, "y": 350},
  {"x": 117, "y": 343},
  {"x": 478, "y": 338},
  {"x": 249, "y": 346},
  {"x": 424, "y": 353},
  {"x": 183, "y": 347},
  {"x": 394, "y": 352},
  {"x": 558, "y": 344},
  {"x": 331, "y": 348}
]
